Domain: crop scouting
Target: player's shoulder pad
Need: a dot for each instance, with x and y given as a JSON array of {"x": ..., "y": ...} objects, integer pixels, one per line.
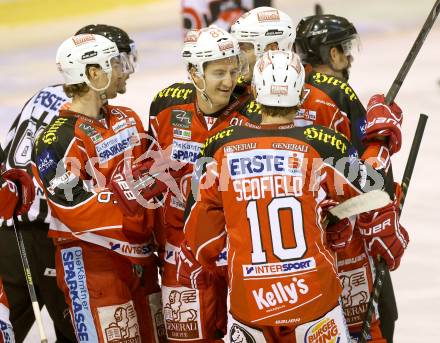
[
  {"x": 338, "y": 90},
  {"x": 327, "y": 142},
  {"x": 56, "y": 136},
  {"x": 250, "y": 109},
  {"x": 176, "y": 94},
  {"x": 214, "y": 142}
]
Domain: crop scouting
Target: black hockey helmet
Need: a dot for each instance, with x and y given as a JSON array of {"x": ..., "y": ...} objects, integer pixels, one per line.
[
  {"x": 115, "y": 34},
  {"x": 317, "y": 34}
]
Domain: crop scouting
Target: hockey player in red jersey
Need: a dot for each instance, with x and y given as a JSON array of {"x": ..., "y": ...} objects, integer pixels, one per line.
[
  {"x": 38, "y": 112},
  {"x": 181, "y": 118},
  {"x": 104, "y": 259},
  {"x": 261, "y": 192},
  {"x": 327, "y": 43},
  {"x": 273, "y": 29},
  {"x": 16, "y": 196}
]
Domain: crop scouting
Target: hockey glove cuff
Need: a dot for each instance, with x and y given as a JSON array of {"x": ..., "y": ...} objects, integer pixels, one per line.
[{"x": 384, "y": 121}]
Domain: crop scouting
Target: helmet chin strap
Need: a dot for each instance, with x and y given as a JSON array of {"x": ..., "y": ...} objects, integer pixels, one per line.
[
  {"x": 101, "y": 91},
  {"x": 204, "y": 96}
]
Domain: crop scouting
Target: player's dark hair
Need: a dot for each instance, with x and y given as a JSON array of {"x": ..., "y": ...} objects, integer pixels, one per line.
[{"x": 276, "y": 111}]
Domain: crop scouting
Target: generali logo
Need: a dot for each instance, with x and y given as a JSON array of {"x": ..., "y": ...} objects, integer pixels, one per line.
[
  {"x": 271, "y": 15},
  {"x": 81, "y": 39},
  {"x": 279, "y": 90}
]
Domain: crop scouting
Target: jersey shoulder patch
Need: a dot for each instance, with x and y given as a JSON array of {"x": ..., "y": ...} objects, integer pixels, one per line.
[
  {"x": 59, "y": 133},
  {"x": 176, "y": 94},
  {"x": 328, "y": 143},
  {"x": 213, "y": 142},
  {"x": 338, "y": 90}
]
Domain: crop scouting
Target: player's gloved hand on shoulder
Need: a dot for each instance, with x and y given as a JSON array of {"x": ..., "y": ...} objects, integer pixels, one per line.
[
  {"x": 25, "y": 187},
  {"x": 384, "y": 123},
  {"x": 339, "y": 235},
  {"x": 190, "y": 272},
  {"x": 338, "y": 232},
  {"x": 383, "y": 233},
  {"x": 135, "y": 185}
]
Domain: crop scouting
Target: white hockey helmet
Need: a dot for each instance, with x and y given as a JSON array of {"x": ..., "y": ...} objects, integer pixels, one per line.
[
  {"x": 208, "y": 44},
  {"x": 278, "y": 79},
  {"x": 262, "y": 26},
  {"x": 76, "y": 52}
]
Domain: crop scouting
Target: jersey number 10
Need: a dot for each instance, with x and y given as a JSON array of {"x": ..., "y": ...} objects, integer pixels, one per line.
[{"x": 284, "y": 254}]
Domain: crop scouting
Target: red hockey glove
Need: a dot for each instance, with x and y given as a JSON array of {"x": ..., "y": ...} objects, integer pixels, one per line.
[
  {"x": 135, "y": 185},
  {"x": 338, "y": 235},
  {"x": 8, "y": 199},
  {"x": 384, "y": 121},
  {"x": 25, "y": 187},
  {"x": 189, "y": 271},
  {"x": 383, "y": 233}
]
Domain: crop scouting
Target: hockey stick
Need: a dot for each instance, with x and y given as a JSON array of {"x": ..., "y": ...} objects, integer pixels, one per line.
[
  {"x": 382, "y": 269},
  {"x": 395, "y": 87},
  {"x": 318, "y": 9},
  {"x": 30, "y": 283},
  {"x": 381, "y": 266},
  {"x": 360, "y": 204}
]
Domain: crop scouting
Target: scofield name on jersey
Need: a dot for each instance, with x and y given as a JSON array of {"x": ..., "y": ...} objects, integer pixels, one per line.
[
  {"x": 117, "y": 144},
  {"x": 264, "y": 162},
  {"x": 185, "y": 151}
]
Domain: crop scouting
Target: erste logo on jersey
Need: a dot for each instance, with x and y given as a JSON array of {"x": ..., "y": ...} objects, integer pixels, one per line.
[
  {"x": 280, "y": 268},
  {"x": 264, "y": 162},
  {"x": 185, "y": 151},
  {"x": 117, "y": 144},
  {"x": 49, "y": 100}
]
